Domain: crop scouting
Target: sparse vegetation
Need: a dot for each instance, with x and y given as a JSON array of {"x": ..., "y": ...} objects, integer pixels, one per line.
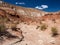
[
  {"x": 43, "y": 27},
  {"x": 54, "y": 31},
  {"x": 5, "y": 33},
  {"x": 2, "y": 27}
]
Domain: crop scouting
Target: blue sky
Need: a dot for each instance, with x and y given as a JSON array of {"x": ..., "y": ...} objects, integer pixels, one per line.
[{"x": 46, "y": 5}]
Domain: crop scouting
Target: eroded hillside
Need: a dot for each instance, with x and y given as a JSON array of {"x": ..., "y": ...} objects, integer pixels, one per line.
[{"x": 28, "y": 26}]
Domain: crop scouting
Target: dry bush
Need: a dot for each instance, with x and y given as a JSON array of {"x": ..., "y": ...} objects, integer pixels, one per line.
[
  {"x": 2, "y": 29},
  {"x": 54, "y": 31},
  {"x": 43, "y": 27}
]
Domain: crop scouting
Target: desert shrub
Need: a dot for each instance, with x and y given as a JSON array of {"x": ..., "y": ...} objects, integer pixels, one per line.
[
  {"x": 54, "y": 31},
  {"x": 43, "y": 27},
  {"x": 2, "y": 29},
  {"x": 4, "y": 32}
]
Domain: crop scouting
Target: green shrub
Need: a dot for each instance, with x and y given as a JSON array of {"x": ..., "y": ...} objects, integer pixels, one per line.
[
  {"x": 2, "y": 28},
  {"x": 43, "y": 27},
  {"x": 54, "y": 31},
  {"x": 4, "y": 32}
]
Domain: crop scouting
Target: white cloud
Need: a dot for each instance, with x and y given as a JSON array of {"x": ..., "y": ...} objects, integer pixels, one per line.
[
  {"x": 42, "y": 7},
  {"x": 20, "y": 3},
  {"x": 38, "y": 7}
]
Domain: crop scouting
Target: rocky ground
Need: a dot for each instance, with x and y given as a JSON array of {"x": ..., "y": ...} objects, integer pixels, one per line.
[{"x": 27, "y": 26}]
